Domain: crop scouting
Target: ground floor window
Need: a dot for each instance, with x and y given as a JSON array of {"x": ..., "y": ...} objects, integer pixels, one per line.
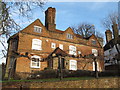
[
  {"x": 35, "y": 62},
  {"x": 73, "y": 65}
]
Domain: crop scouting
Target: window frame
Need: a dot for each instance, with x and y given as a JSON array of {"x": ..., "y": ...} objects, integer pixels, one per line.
[
  {"x": 61, "y": 46},
  {"x": 79, "y": 52},
  {"x": 36, "y": 57},
  {"x": 94, "y": 42},
  {"x": 71, "y": 66},
  {"x": 94, "y": 52},
  {"x": 72, "y": 50},
  {"x": 69, "y": 36},
  {"x": 36, "y": 44},
  {"x": 37, "y": 29},
  {"x": 53, "y": 45}
]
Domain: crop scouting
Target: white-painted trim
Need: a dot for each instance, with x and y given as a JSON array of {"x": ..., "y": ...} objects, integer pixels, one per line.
[
  {"x": 72, "y": 50},
  {"x": 53, "y": 45},
  {"x": 95, "y": 52},
  {"x": 73, "y": 62},
  {"x": 38, "y": 27},
  {"x": 61, "y": 46},
  {"x": 39, "y": 62},
  {"x": 36, "y": 44}
]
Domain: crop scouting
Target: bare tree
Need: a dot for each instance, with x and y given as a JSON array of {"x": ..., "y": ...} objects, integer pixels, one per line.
[
  {"x": 8, "y": 25},
  {"x": 86, "y": 30},
  {"x": 22, "y": 9},
  {"x": 108, "y": 21}
]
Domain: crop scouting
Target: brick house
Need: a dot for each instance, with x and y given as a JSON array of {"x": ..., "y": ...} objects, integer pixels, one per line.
[
  {"x": 112, "y": 49},
  {"x": 34, "y": 48}
]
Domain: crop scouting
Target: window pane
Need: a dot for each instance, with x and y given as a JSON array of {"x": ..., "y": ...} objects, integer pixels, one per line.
[
  {"x": 61, "y": 46},
  {"x": 53, "y": 45},
  {"x": 72, "y": 50},
  {"x": 35, "y": 63},
  {"x": 36, "y": 44},
  {"x": 73, "y": 65},
  {"x": 37, "y": 29}
]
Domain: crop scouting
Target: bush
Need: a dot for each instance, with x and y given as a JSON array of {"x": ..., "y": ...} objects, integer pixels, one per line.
[
  {"x": 51, "y": 73},
  {"x": 108, "y": 73},
  {"x": 47, "y": 73}
]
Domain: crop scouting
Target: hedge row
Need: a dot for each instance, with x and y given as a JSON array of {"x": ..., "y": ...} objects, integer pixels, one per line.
[{"x": 50, "y": 73}]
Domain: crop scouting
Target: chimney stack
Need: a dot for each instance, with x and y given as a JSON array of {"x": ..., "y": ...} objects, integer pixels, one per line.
[
  {"x": 115, "y": 31},
  {"x": 108, "y": 34},
  {"x": 50, "y": 19}
]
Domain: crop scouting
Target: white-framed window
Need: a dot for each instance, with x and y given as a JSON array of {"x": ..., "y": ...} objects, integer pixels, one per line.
[
  {"x": 72, "y": 50},
  {"x": 37, "y": 29},
  {"x": 53, "y": 45},
  {"x": 98, "y": 69},
  {"x": 93, "y": 42},
  {"x": 35, "y": 62},
  {"x": 61, "y": 46},
  {"x": 73, "y": 65},
  {"x": 79, "y": 52},
  {"x": 95, "y": 52},
  {"x": 36, "y": 44},
  {"x": 69, "y": 36}
]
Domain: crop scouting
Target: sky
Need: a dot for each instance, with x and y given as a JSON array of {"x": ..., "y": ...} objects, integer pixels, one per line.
[{"x": 72, "y": 14}]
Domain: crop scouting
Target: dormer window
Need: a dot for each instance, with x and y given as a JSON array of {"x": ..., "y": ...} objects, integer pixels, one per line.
[
  {"x": 69, "y": 36},
  {"x": 93, "y": 42},
  {"x": 37, "y": 29}
]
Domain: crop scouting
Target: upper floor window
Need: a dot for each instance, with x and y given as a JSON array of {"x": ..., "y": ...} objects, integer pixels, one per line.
[
  {"x": 72, "y": 50},
  {"x": 79, "y": 52},
  {"x": 73, "y": 65},
  {"x": 95, "y": 52},
  {"x": 69, "y": 36},
  {"x": 37, "y": 29},
  {"x": 36, "y": 44},
  {"x": 61, "y": 46},
  {"x": 93, "y": 42},
  {"x": 53, "y": 45},
  {"x": 35, "y": 62}
]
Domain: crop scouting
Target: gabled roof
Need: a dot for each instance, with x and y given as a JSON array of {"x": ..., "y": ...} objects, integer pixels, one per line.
[
  {"x": 58, "y": 52},
  {"x": 54, "y": 34},
  {"x": 111, "y": 43}
]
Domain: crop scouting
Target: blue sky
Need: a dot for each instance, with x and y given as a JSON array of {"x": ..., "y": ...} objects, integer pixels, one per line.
[{"x": 72, "y": 13}]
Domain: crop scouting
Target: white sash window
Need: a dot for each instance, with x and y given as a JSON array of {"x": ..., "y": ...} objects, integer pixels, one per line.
[
  {"x": 73, "y": 65},
  {"x": 72, "y": 50},
  {"x": 95, "y": 52},
  {"x": 37, "y": 29},
  {"x": 61, "y": 46},
  {"x": 36, "y": 44},
  {"x": 35, "y": 62},
  {"x": 53, "y": 45}
]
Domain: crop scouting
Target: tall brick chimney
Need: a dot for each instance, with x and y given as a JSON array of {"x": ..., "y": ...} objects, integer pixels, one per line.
[
  {"x": 108, "y": 34},
  {"x": 115, "y": 31},
  {"x": 50, "y": 19}
]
